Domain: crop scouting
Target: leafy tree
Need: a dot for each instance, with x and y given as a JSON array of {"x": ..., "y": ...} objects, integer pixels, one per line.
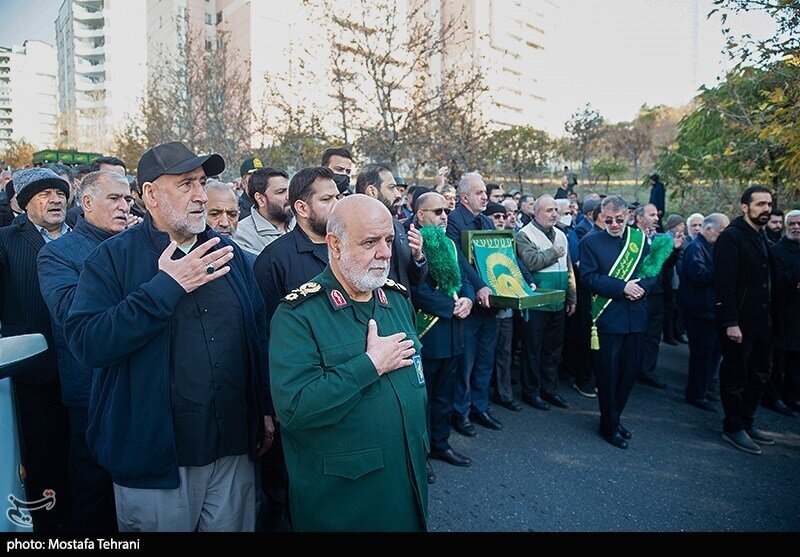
[
  {"x": 520, "y": 151},
  {"x": 607, "y": 169},
  {"x": 18, "y": 153},
  {"x": 585, "y": 128}
]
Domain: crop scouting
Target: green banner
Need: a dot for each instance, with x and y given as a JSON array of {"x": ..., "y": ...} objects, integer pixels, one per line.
[{"x": 496, "y": 261}]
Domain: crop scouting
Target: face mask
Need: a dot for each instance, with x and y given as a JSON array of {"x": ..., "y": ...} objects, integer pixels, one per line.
[
  {"x": 342, "y": 182},
  {"x": 566, "y": 220}
]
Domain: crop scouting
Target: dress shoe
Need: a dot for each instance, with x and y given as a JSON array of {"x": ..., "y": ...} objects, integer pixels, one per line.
[
  {"x": 760, "y": 437},
  {"x": 617, "y": 440},
  {"x": 713, "y": 397},
  {"x": 451, "y": 457},
  {"x": 536, "y": 402},
  {"x": 624, "y": 432},
  {"x": 555, "y": 399},
  {"x": 462, "y": 425},
  {"x": 742, "y": 441},
  {"x": 588, "y": 392},
  {"x": 779, "y": 407},
  {"x": 701, "y": 404},
  {"x": 429, "y": 473},
  {"x": 682, "y": 339},
  {"x": 486, "y": 420},
  {"x": 670, "y": 341},
  {"x": 653, "y": 382},
  {"x": 512, "y": 405}
]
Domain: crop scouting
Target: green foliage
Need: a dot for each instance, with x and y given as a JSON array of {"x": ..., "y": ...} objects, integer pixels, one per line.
[
  {"x": 607, "y": 169},
  {"x": 519, "y": 151}
]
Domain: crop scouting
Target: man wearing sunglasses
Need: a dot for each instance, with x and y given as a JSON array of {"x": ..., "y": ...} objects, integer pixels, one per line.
[{"x": 609, "y": 265}]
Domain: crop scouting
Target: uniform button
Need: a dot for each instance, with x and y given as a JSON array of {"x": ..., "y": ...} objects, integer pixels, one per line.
[
  {"x": 216, "y": 365},
  {"x": 205, "y": 310},
  {"x": 212, "y": 339}
]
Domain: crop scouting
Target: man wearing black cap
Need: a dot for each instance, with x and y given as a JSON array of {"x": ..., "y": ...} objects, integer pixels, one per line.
[
  {"x": 246, "y": 202},
  {"x": 169, "y": 315},
  {"x": 43, "y": 429}
]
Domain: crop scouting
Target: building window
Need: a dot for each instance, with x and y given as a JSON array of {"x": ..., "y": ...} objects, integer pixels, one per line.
[
  {"x": 209, "y": 20},
  {"x": 219, "y": 17}
]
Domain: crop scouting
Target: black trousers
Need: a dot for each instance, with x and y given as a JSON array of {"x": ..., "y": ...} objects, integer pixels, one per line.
[
  {"x": 704, "y": 355},
  {"x": 744, "y": 372},
  {"x": 92, "y": 491},
  {"x": 439, "y": 379},
  {"x": 618, "y": 361},
  {"x": 541, "y": 352},
  {"x": 43, "y": 424},
  {"x": 274, "y": 515},
  {"x": 578, "y": 355},
  {"x": 784, "y": 380},
  {"x": 652, "y": 338},
  {"x": 503, "y": 354}
]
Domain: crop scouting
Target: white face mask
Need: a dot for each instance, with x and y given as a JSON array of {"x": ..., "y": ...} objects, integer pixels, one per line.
[{"x": 566, "y": 220}]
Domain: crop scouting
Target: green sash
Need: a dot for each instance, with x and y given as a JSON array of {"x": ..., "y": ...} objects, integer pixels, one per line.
[
  {"x": 426, "y": 321},
  {"x": 623, "y": 269}
]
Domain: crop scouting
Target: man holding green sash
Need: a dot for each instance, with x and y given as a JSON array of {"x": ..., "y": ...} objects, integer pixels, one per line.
[
  {"x": 610, "y": 261},
  {"x": 443, "y": 299}
]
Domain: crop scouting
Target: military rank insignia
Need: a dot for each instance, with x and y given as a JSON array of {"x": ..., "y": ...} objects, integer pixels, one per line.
[
  {"x": 418, "y": 367},
  {"x": 299, "y": 294}
]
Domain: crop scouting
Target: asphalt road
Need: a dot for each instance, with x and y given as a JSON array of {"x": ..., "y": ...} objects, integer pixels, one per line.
[{"x": 550, "y": 471}]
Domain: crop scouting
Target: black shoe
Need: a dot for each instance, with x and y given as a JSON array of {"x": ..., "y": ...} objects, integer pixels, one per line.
[
  {"x": 624, "y": 432},
  {"x": 701, "y": 404},
  {"x": 779, "y": 407},
  {"x": 462, "y": 425},
  {"x": 512, "y": 405},
  {"x": 451, "y": 457},
  {"x": 431, "y": 475},
  {"x": 682, "y": 339},
  {"x": 653, "y": 382},
  {"x": 536, "y": 402},
  {"x": 617, "y": 440},
  {"x": 713, "y": 397},
  {"x": 486, "y": 420},
  {"x": 555, "y": 399},
  {"x": 670, "y": 341},
  {"x": 588, "y": 392}
]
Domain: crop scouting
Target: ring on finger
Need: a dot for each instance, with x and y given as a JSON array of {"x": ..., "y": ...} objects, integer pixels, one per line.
[{"x": 210, "y": 269}]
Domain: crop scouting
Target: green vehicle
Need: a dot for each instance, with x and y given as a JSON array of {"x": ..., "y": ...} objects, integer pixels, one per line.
[{"x": 70, "y": 158}]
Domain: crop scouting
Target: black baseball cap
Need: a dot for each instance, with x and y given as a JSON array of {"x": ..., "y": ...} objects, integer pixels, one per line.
[
  {"x": 249, "y": 166},
  {"x": 175, "y": 158}
]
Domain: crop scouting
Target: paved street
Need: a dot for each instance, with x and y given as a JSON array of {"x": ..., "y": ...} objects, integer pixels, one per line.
[{"x": 550, "y": 471}]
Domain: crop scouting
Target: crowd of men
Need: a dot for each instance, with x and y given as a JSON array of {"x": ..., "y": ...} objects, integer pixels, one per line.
[{"x": 290, "y": 352}]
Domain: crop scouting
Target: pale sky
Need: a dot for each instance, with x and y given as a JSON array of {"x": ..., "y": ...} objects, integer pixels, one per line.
[{"x": 615, "y": 54}]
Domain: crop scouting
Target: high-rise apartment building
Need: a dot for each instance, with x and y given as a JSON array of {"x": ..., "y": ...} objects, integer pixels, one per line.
[
  {"x": 28, "y": 94},
  {"x": 102, "y": 68}
]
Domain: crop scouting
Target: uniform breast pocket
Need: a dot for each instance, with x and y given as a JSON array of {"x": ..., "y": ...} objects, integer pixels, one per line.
[
  {"x": 337, "y": 355},
  {"x": 353, "y": 466}
]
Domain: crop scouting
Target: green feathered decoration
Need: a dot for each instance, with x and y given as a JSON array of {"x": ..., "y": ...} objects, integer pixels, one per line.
[
  {"x": 660, "y": 249},
  {"x": 442, "y": 260}
]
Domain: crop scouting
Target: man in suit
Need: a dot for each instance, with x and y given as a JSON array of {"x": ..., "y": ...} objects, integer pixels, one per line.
[
  {"x": 609, "y": 264},
  {"x": 43, "y": 420},
  {"x": 442, "y": 315},
  {"x": 743, "y": 275},
  {"x": 658, "y": 197},
  {"x": 408, "y": 263}
]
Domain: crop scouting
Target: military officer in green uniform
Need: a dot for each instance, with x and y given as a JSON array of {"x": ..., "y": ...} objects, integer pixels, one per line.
[{"x": 348, "y": 386}]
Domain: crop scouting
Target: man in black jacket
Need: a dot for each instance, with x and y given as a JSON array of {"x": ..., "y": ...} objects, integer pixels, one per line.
[
  {"x": 43, "y": 421},
  {"x": 696, "y": 300},
  {"x": 743, "y": 285},
  {"x": 658, "y": 197},
  {"x": 784, "y": 383},
  {"x": 408, "y": 265}
]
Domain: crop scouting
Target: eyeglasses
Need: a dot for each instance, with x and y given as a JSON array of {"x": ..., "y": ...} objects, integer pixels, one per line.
[
  {"x": 499, "y": 216},
  {"x": 619, "y": 220},
  {"x": 438, "y": 212}
]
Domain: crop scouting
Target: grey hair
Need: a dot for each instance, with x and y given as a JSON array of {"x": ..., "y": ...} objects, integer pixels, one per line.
[
  {"x": 336, "y": 227},
  {"x": 463, "y": 185},
  {"x": 714, "y": 221},
  {"x": 212, "y": 184},
  {"x": 791, "y": 214},
  {"x": 614, "y": 202},
  {"x": 446, "y": 188},
  {"x": 537, "y": 203},
  {"x": 562, "y": 204},
  {"x": 90, "y": 185},
  {"x": 696, "y": 216}
]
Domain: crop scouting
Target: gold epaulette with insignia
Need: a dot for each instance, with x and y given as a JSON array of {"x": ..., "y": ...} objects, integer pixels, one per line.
[
  {"x": 396, "y": 286},
  {"x": 298, "y": 295}
]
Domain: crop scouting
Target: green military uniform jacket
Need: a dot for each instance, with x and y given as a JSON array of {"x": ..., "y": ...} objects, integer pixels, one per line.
[{"x": 355, "y": 442}]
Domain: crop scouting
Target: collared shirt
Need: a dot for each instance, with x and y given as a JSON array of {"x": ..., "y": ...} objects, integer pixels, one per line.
[
  {"x": 209, "y": 375},
  {"x": 46, "y": 235},
  {"x": 255, "y": 232}
]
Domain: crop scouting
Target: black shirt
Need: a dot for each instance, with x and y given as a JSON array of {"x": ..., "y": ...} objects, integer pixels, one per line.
[{"x": 209, "y": 375}]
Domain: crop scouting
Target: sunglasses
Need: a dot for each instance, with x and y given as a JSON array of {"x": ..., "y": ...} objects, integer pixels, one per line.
[
  {"x": 438, "y": 212},
  {"x": 620, "y": 220},
  {"x": 499, "y": 216}
]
